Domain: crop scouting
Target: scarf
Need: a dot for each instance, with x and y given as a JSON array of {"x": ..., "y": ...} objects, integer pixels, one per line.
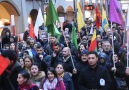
[
  {"x": 26, "y": 87},
  {"x": 50, "y": 85}
]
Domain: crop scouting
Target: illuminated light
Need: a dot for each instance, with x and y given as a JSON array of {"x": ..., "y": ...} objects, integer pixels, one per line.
[
  {"x": 1, "y": 24},
  {"x": 124, "y": 6},
  {"x": 87, "y": 14},
  {"x": 69, "y": 0},
  {"x": 5, "y": 20},
  {"x": 93, "y": 1},
  {"x": 87, "y": 1}
]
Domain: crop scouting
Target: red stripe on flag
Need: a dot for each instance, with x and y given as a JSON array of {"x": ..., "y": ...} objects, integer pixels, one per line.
[
  {"x": 3, "y": 64},
  {"x": 31, "y": 31},
  {"x": 98, "y": 17},
  {"x": 93, "y": 45}
]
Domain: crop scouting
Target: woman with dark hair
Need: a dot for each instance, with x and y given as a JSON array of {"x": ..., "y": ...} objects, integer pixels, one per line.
[
  {"x": 24, "y": 83},
  {"x": 52, "y": 82},
  {"x": 5, "y": 36},
  {"x": 21, "y": 61},
  {"x": 65, "y": 76},
  {"x": 28, "y": 63},
  {"x": 13, "y": 46},
  {"x": 36, "y": 75},
  {"x": 99, "y": 46},
  {"x": 82, "y": 46}
]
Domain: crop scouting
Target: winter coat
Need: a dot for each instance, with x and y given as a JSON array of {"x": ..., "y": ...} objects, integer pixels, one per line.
[
  {"x": 56, "y": 60},
  {"x": 37, "y": 79},
  {"x": 120, "y": 72},
  {"x": 90, "y": 79},
  {"x": 43, "y": 64},
  {"x": 68, "y": 66},
  {"x": 8, "y": 81},
  {"x": 5, "y": 40},
  {"x": 60, "y": 85},
  {"x": 80, "y": 66},
  {"x": 68, "y": 81}
]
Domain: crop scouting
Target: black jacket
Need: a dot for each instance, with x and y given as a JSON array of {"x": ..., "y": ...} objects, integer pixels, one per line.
[
  {"x": 120, "y": 73},
  {"x": 56, "y": 60},
  {"x": 43, "y": 64},
  {"x": 80, "y": 66},
  {"x": 9, "y": 81},
  {"x": 90, "y": 78},
  {"x": 5, "y": 40},
  {"x": 68, "y": 66}
]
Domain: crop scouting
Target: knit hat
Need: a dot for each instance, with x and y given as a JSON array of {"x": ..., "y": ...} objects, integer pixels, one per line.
[
  {"x": 102, "y": 55},
  {"x": 84, "y": 52}
]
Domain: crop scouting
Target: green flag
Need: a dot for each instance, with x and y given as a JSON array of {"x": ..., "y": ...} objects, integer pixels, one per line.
[
  {"x": 74, "y": 36},
  {"x": 56, "y": 32},
  {"x": 51, "y": 17}
]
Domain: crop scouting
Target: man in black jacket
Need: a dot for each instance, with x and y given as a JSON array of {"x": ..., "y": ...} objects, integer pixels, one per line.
[
  {"x": 83, "y": 63},
  {"x": 56, "y": 56},
  {"x": 8, "y": 80},
  {"x": 43, "y": 60},
  {"x": 94, "y": 77}
]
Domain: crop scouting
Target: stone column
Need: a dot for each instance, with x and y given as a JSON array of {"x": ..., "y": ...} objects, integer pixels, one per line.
[{"x": 24, "y": 14}]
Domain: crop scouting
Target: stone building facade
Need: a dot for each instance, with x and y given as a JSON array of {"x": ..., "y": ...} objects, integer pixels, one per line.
[{"x": 22, "y": 9}]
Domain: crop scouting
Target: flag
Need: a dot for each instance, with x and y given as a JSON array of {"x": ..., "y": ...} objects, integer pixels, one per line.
[
  {"x": 31, "y": 29},
  {"x": 39, "y": 22},
  {"x": 80, "y": 20},
  {"x": 104, "y": 20},
  {"x": 74, "y": 36},
  {"x": 3, "y": 64},
  {"x": 116, "y": 13},
  {"x": 98, "y": 17},
  {"x": 51, "y": 17},
  {"x": 56, "y": 32},
  {"x": 93, "y": 44}
]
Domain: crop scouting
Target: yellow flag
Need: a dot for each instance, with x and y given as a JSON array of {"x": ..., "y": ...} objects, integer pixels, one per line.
[
  {"x": 104, "y": 20},
  {"x": 80, "y": 20}
]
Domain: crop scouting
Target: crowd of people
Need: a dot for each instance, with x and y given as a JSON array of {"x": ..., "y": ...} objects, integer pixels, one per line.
[{"x": 51, "y": 63}]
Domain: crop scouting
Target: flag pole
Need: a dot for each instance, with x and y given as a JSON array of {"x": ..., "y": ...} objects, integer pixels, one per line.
[
  {"x": 69, "y": 51},
  {"x": 126, "y": 34},
  {"x": 127, "y": 52},
  {"x": 113, "y": 46}
]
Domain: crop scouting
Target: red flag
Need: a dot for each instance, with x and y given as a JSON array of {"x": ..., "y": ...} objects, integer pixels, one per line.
[
  {"x": 93, "y": 44},
  {"x": 3, "y": 64},
  {"x": 31, "y": 31},
  {"x": 98, "y": 17}
]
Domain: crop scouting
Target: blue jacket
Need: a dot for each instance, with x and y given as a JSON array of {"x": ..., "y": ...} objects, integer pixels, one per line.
[{"x": 68, "y": 81}]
